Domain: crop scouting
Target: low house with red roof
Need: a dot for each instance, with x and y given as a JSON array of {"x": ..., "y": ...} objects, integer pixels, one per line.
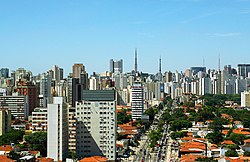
[
  {"x": 243, "y": 131},
  {"x": 44, "y": 159},
  {"x": 246, "y": 146},
  {"x": 227, "y": 142},
  {"x": 6, "y": 149},
  {"x": 194, "y": 148},
  {"x": 4, "y": 158},
  {"x": 94, "y": 159}
]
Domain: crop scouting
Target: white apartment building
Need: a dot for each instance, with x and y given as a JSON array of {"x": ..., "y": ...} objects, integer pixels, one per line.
[
  {"x": 137, "y": 101},
  {"x": 245, "y": 99},
  {"x": 39, "y": 120},
  {"x": 96, "y": 124},
  {"x": 57, "y": 134}
]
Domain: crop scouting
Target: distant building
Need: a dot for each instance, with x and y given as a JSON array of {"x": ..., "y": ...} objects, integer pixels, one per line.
[
  {"x": 245, "y": 99},
  {"x": 116, "y": 66},
  {"x": 96, "y": 124},
  {"x": 137, "y": 100},
  {"x": 17, "y": 105},
  {"x": 57, "y": 143},
  {"x": 4, "y": 73},
  {"x": 57, "y": 73},
  {"x": 26, "y": 88},
  {"x": 195, "y": 70},
  {"x": 77, "y": 70},
  {"x": 39, "y": 120},
  {"x": 243, "y": 70},
  {"x": 5, "y": 121}
]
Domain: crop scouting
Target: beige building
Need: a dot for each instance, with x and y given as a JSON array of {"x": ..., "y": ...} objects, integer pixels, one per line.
[
  {"x": 245, "y": 99},
  {"x": 5, "y": 121},
  {"x": 39, "y": 120}
]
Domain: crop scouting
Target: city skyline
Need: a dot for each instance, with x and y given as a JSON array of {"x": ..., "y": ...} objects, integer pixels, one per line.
[{"x": 37, "y": 35}]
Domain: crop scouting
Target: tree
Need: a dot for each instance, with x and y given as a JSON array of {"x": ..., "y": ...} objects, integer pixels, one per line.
[
  {"x": 216, "y": 125},
  {"x": 13, "y": 136},
  {"x": 231, "y": 153},
  {"x": 175, "y": 135},
  {"x": 151, "y": 113},
  {"x": 178, "y": 125},
  {"x": 237, "y": 138},
  {"x": 38, "y": 141},
  {"x": 122, "y": 117},
  {"x": 247, "y": 153},
  {"x": 215, "y": 137}
]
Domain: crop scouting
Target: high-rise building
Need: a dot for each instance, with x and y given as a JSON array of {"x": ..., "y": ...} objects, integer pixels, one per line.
[
  {"x": 4, "y": 73},
  {"x": 137, "y": 100},
  {"x": 168, "y": 76},
  {"x": 5, "y": 121},
  {"x": 195, "y": 70},
  {"x": 245, "y": 99},
  {"x": 116, "y": 66},
  {"x": 17, "y": 105},
  {"x": 243, "y": 70},
  {"x": 96, "y": 124},
  {"x": 57, "y": 73},
  {"x": 39, "y": 119},
  {"x": 26, "y": 88},
  {"x": 78, "y": 69},
  {"x": 57, "y": 133},
  {"x": 72, "y": 129}
]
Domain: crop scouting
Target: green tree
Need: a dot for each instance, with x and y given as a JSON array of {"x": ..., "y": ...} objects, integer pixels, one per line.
[
  {"x": 38, "y": 141},
  {"x": 175, "y": 135},
  {"x": 215, "y": 137},
  {"x": 122, "y": 117},
  {"x": 13, "y": 136},
  {"x": 231, "y": 153},
  {"x": 216, "y": 125},
  {"x": 237, "y": 138},
  {"x": 247, "y": 153},
  {"x": 178, "y": 125},
  {"x": 151, "y": 113}
]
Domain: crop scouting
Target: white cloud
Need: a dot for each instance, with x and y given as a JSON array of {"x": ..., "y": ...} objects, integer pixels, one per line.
[
  {"x": 223, "y": 34},
  {"x": 198, "y": 17}
]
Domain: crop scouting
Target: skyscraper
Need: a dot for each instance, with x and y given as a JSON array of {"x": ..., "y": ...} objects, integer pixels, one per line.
[
  {"x": 243, "y": 70},
  {"x": 5, "y": 121},
  {"x": 4, "y": 72},
  {"x": 116, "y": 66},
  {"x": 57, "y": 143},
  {"x": 77, "y": 70},
  {"x": 96, "y": 124},
  {"x": 137, "y": 100}
]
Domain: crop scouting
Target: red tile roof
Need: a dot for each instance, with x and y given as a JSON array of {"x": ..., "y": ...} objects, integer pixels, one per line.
[
  {"x": 5, "y": 159},
  {"x": 227, "y": 142},
  {"x": 95, "y": 159},
  {"x": 6, "y": 148},
  {"x": 44, "y": 159}
]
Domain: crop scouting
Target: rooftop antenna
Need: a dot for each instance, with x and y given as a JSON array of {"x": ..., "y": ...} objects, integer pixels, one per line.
[
  {"x": 219, "y": 61},
  {"x": 135, "y": 59},
  {"x": 160, "y": 65}
]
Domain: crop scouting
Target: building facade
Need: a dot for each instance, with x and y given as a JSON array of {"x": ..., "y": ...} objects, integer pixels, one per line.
[
  {"x": 137, "y": 101},
  {"x": 57, "y": 134},
  {"x": 5, "y": 121},
  {"x": 96, "y": 124},
  {"x": 17, "y": 105}
]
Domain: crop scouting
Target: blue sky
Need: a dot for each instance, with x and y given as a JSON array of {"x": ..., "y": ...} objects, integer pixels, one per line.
[{"x": 38, "y": 34}]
